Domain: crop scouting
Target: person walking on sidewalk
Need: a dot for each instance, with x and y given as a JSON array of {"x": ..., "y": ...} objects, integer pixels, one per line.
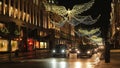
[{"x": 16, "y": 53}]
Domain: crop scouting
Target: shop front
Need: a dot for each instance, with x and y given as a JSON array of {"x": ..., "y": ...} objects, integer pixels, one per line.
[
  {"x": 7, "y": 32},
  {"x": 4, "y": 45}
]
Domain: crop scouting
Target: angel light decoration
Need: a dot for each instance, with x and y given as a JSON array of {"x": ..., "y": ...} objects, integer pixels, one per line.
[{"x": 67, "y": 14}]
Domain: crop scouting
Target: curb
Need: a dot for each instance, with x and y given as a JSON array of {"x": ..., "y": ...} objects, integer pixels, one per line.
[{"x": 4, "y": 62}]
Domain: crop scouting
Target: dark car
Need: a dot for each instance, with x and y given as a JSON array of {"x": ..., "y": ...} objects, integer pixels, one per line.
[
  {"x": 86, "y": 51},
  {"x": 60, "y": 50},
  {"x": 101, "y": 48}
]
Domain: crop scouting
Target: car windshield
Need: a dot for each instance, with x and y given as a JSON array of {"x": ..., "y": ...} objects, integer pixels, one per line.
[
  {"x": 61, "y": 47},
  {"x": 95, "y": 46},
  {"x": 85, "y": 47}
]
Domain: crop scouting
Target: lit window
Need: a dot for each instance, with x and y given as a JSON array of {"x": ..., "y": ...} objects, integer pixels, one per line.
[
  {"x": 36, "y": 2},
  {"x": 15, "y": 13},
  {"x": 23, "y": 18},
  {"x": 0, "y": 3},
  {"x": 37, "y": 44},
  {"x": 43, "y": 45},
  {"x": 11, "y": 11},
  {"x": 14, "y": 45},
  {"x": 0, "y": 7},
  {"x": 27, "y": 17},
  {"x": 3, "y": 45}
]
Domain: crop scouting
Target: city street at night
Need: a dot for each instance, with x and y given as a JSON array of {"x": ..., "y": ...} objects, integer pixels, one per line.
[{"x": 59, "y": 33}]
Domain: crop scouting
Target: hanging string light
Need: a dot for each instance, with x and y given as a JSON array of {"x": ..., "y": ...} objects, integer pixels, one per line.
[
  {"x": 92, "y": 32},
  {"x": 87, "y": 20},
  {"x": 86, "y": 32},
  {"x": 95, "y": 39}
]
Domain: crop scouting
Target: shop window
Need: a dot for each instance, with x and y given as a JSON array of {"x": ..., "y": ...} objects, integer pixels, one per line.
[
  {"x": 14, "y": 45},
  {"x": 37, "y": 45},
  {"x": 3, "y": 45},
  {"x": 43, "y": 45}
]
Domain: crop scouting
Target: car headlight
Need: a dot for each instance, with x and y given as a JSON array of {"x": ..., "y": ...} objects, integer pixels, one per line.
[
  {"x": 53, "y": 51},
  {"x": 101, "y": 47},
  {"x": 62, "y": 51},
  {"x": 88, "y": 52},
  {"x": 76, "y": 49},
  {"x": 69, "y": 49},
  {"x": 95, "y": 49},
  {"x": 78, "y": 52}
]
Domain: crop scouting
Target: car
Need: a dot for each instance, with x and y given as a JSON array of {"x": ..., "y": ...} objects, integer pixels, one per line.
[
  {"x": 85, "y": 51},
  {"x": 60, "y": 50},
  {"x": 96, "y": 48},
  {"x": 101, "y": 47},
  {"x": 73, "y": 51}
]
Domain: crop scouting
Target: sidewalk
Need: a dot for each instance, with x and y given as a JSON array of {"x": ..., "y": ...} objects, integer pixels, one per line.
[
  {"x": 114, "y": 60},
  {"x": 5, "y": 57},
  {"x": 23, "y": 55}
]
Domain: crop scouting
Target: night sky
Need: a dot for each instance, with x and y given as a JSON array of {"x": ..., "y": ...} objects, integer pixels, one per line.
[
  {"x": 71, "y": 3},
  {"x": 102, "y": 7}
]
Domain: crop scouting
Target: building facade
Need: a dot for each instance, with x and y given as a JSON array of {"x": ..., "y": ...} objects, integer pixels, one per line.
[
  {"x": 115, "y": 23},
  {"x": 26, "y": 26}
]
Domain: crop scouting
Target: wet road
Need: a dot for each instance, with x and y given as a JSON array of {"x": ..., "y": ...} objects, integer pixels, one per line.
[{"x": 55, "y": 63}]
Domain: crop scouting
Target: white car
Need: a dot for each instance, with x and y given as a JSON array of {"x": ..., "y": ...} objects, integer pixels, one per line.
[{"x": 73, "y": 52}]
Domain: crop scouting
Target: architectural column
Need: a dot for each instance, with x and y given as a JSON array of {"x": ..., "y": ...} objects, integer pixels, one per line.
[
  {"x": 14, "y": 8},
  {"x": 22, "y": 9},
  {"x": 26, "y": 10},
  {"x": 33, "y": 15},
  {"x": 9, "y": 7},
  {"x": 19, "y": 12},
  {"x": 3, "y": 7},
  {"x": 29, "y": 12}
]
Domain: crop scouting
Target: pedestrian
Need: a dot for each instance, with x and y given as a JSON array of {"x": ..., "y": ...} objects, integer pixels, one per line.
[{"x": 16, "y": 53}]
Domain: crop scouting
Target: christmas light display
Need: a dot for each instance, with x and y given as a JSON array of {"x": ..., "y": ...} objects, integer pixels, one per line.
[
  {"x": 62, "y": 11},
  {"x": 87, "y": 20},
  {"x": 74, "y": 18},
  {"x": 85, "y": 32}
]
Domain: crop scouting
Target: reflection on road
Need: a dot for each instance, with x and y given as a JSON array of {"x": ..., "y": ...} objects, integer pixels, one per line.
[
  {"x": 72, "y": 65},
  {"x": 68, "y": 63}
]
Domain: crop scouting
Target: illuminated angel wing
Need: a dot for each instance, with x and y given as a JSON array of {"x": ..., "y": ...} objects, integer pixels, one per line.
[
  {"x": 98, "y": 33},
  {"x": 60, "y": 23},
  {"x": 78, "y": 9},
  {"x": 89, "y": 20},
  {"x": 86, "y": 32},
  {"x": 79, "y": 34},
  {"x": 77, "y": 20},
  {"x": 60, "y": 10},
  {"x": 97, "y": 39}
]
